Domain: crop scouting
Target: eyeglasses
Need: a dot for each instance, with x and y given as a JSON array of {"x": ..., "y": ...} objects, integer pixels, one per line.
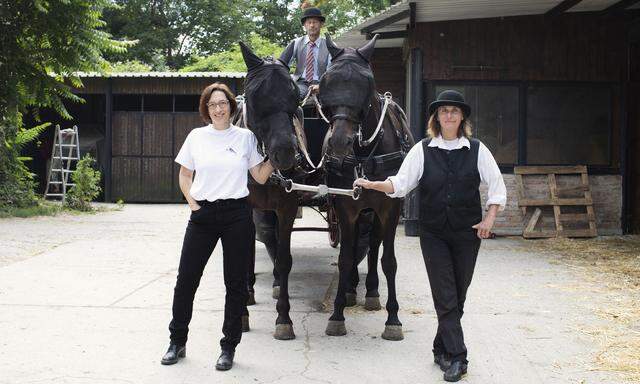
[
  {"x": 449, "y": 111},
  {"x": 221, "y": 104}
]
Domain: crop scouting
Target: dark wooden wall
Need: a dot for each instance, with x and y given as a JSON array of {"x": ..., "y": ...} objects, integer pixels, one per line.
[
  {"x": 143, "y": 148},
  {"x": 573, "y": 47},
  {"x": 633, "y": 125},
  {"x": 389, "y": 72},
  {"x": 570, "y": 47},
  {"x": 157, "y": 85}
]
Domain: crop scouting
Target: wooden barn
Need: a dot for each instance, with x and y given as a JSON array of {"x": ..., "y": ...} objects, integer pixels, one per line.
[
  {"x": 550, "y": 82},
  {"x": 134, "y": 124}
]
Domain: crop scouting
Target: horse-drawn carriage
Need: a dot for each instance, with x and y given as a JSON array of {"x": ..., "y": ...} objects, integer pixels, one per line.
[{"x": 348, "y": 131}]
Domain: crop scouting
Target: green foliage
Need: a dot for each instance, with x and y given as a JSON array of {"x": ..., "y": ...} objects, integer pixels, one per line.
[
  {"x": 27, "y": 135},
  {"x": 41, "y": 208},
  {"x": 231, "y": 60},
  {"x": 174, "y": 30},
  {"x": 44, "y": 44},
  {"x": 130, "y": 66},
  {"x": 87, "y": 185},
  {"x": 344, "y": 14},
  {"x": 16, "y": 182}
]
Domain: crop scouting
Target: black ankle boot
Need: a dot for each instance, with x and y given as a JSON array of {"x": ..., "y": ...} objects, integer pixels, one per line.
[
  {"x": 174, "y": 353},
  {"x": 442, "y": 361},
  {"x": 225, "y": 361},
  {"x": 455, "y": 371}
]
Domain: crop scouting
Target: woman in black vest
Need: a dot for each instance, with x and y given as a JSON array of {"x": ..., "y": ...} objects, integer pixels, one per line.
[{"x": 449, "y": 166}]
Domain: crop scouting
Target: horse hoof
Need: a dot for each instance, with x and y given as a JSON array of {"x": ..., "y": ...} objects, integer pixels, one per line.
[
  {"x": 252, "y": 299},
  {"x": 284, "y": 332},
  {"x": 392, "y": 332},
  {"x": 351, "y": 299},
  {"x": 245, "y": 323},
  {"x": 336, "y": 328},
  {"x": 372, "y": 304},
  {"x": 276, "y": 292}
]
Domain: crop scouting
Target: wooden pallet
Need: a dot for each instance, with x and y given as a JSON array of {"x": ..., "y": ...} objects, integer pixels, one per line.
[{"x": 555, "y": 201}]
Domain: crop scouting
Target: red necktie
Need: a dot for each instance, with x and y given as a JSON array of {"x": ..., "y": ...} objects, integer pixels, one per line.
[{"x": 308, "y": 67}]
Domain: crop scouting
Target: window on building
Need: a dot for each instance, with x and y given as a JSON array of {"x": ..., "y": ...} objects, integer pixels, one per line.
[
  {"x": 494, "y": 115},
  {"x": 187, "y": 103},
  {"x": 568, "y": 124},
  {"x": 158, "y": 103},
  {"x": 124, "y": 102}
]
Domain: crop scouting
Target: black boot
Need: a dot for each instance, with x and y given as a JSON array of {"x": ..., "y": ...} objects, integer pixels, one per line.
[
  {"x": 442, "y": 361},
  {"x": 455, "y": 371},
  {"x": 174, "y": 353},
  {"x": 225, "y": 361}
]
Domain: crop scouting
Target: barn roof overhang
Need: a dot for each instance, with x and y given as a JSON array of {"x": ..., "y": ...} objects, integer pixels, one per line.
[
  {"x": 393, "y": 22},
  {"x": 146, "y": 75}
]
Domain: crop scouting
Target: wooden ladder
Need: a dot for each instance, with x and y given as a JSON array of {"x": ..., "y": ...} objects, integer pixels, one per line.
[{"x": 555, "y": 201}]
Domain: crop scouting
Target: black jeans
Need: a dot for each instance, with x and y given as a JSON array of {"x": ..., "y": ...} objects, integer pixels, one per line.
[
  {"x": 450, "y": 257},
  {"x": 230, "y": 221}
]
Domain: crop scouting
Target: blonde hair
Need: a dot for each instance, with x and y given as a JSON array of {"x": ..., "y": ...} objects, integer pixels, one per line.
[{"x": 434, "y": 129}]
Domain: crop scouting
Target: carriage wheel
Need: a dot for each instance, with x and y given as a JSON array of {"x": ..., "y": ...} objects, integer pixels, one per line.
[{"x": 334, "y": 228}]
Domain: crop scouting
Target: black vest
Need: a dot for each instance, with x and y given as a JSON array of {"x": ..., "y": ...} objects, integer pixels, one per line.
[{"x": 449, "y": 188}]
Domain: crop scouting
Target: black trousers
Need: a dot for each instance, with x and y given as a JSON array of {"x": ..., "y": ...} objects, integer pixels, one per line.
[
  {"x": 230, "y": 221},
  {"x": 450, "y": 257}
]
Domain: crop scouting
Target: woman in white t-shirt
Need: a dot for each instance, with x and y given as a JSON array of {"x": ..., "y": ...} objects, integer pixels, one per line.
[{"x": 221, "y": 155}]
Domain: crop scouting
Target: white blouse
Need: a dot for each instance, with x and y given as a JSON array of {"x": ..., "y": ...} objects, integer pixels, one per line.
[
  {"x": 411, "y": 170},
  {"x": 221, "y": 160}
]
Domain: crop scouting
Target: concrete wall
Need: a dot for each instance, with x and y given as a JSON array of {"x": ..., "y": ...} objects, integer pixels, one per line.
[{"x": 606, "y": 191}]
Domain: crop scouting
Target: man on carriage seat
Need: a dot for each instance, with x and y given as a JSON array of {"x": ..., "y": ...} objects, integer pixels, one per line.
[
  {"x": 309, "y": 52},
  {"x": 312, "y": 59}
]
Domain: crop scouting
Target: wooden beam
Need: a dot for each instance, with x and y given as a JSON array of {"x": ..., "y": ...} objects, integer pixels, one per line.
[
  {"x": 389, "y": 35},
  {"x": 619, "y": 6},
  {"x": 412, "y": 15},
  {"x": 388, "y": 21},
  {"x": 562, "y": 7},
  {"x": 544, "y": 169}
]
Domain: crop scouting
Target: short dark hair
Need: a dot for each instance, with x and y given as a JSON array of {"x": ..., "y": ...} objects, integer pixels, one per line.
[{"x": 206, "y": 95}]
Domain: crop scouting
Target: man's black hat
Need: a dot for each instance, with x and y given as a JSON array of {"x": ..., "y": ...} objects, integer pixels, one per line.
[
  {"x": 312, "y": 12},
  {"x": 453, "y": 98}
]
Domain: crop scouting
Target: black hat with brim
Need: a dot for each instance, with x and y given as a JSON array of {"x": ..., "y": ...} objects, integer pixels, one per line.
[
  {"x": 312, "y": 12},
  {"x": 452, "y": 98}
]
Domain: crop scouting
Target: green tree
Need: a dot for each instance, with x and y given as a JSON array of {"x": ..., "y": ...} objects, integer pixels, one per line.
[
  {"x": 231, "y": 60},
  {"x": 86, "y": 187},
  {"x": 169, "y": 32},
  {"x": 344, "y": 14},
  {"x": 43, "y": 44}
]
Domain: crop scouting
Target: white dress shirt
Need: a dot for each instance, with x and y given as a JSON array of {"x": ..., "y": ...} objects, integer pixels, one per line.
[{"x": 411, "y": 170}]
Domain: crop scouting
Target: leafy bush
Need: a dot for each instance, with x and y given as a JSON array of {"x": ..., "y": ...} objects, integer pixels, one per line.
[{"x": 87, "y": 185}]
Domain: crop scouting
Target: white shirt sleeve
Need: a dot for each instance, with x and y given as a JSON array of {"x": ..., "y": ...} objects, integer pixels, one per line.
[
  {"x": 255, "y": 158},
  {"x": 185, "y": 156},
  {"x": 410, "y": 172},
  {"x": 490, "y": 174}
]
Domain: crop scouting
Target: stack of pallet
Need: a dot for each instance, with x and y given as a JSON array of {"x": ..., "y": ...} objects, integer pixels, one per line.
[{"x": 572, "y": 205}]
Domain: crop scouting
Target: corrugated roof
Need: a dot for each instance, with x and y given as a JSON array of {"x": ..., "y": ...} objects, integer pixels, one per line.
[
  {"x": 232, "y": 75},
  {"x": 442, "y": 10}
]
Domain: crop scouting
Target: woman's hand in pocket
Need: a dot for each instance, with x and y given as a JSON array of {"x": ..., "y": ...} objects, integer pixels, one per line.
[{"x": 194, "y": 206}]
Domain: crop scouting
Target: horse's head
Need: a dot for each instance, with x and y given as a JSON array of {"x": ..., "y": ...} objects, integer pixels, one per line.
[
  {"x": 346, "y": 91},
  {"x": 271, "y": 100}
]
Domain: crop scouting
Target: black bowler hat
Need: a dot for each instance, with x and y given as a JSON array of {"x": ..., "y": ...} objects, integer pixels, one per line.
[
  {"x": 453, "y": 98},
  {"x": 312, "y": 12}
]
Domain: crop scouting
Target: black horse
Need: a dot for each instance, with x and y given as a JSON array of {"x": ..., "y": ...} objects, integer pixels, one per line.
[
  {"x": 271, "y": 101},
  {"x": 355, "y": 148}
]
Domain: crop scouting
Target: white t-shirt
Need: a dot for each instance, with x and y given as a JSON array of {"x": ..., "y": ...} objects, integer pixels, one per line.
[{"x": 221, "y": 160}]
